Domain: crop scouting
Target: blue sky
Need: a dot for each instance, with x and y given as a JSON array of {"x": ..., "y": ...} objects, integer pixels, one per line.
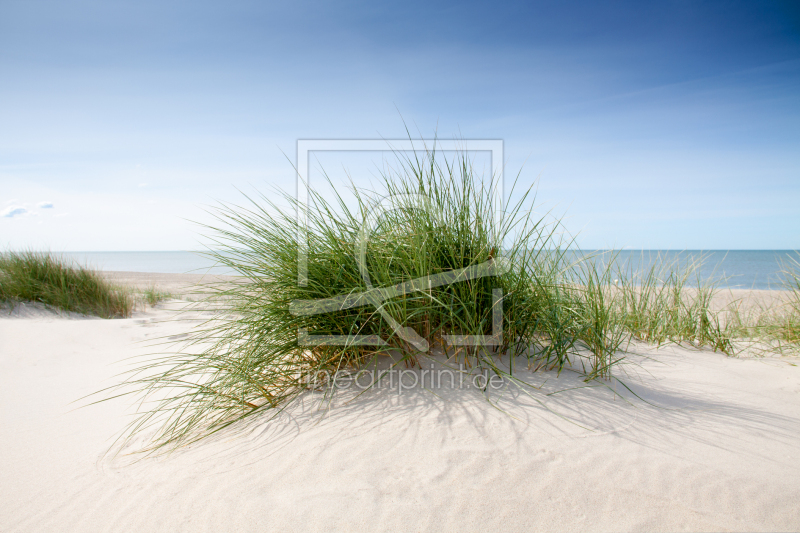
[{"x": 648, "y": 125}]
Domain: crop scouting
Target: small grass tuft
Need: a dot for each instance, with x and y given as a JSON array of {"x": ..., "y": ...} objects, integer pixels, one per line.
[
  {"x": 783, "y": 325},
  {"x": 153, "y": 295},
  {"x": 56, "y": 282},
  {"x": 658, "y": 306}
]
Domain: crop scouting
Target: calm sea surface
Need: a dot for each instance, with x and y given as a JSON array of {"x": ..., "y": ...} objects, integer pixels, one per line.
[
  {"x": 162, "y": 262},
  {"x": 736, "y": 269},
  {"x": 748, "y": 269}
]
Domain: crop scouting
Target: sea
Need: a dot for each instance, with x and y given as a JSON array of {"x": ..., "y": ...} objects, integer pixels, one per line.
[{"x": 738, "y": 269}]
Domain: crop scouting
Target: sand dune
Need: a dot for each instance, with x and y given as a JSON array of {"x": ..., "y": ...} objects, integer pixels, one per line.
[{"x": 715, "y": 449}]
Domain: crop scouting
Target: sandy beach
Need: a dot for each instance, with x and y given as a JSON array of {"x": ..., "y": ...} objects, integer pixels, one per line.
[
  {"x": 711, "y": 445},
  {"x": 399, "y": 266},
  {"x": 184, "y": 286}
]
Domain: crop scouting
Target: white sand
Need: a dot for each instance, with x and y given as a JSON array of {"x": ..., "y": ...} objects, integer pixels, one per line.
[
  {"x": 184, "y": 285},
  {"x": 723, "y": 452}
]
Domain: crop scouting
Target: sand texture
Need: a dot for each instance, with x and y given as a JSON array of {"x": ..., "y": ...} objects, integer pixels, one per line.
[
  {"x": 185, "y": 285},
  {"x": 713, "y": 445}
]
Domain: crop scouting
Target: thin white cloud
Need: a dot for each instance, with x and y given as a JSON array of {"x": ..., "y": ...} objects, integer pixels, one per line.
[
  {"x": 12, "y": 211},
  {"x": 46, "y": 205}
]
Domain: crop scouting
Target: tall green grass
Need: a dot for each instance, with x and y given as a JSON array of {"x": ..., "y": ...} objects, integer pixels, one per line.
[
  {"x": 790, "y": 328},
  {"x": 780, "y": 324},
  {"x": 54, "y": 281},
  {"x": 430, "y": 217},
  {"x": 658, "y": 305}
]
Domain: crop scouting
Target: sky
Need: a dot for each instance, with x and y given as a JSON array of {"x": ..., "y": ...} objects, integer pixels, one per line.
[{"x": 660, "y": 125}]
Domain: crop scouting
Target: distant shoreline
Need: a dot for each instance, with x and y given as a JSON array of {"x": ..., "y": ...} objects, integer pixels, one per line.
[
  {"x": 747, "y": 269},
  {"x": 181, "y": 285},
  {"x": 176, "y": 284}
]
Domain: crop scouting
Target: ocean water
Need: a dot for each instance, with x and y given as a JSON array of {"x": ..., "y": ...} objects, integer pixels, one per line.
[
  {"x": 161, "y": 262},
  {"x": 735, "y": 269},
  {"x": 745, "y": 269}
]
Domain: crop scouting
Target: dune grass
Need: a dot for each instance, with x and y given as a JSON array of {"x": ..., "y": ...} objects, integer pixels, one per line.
[
  {"x": 153, "y": 295},
  {"x": 658, "y": 305},
  {"x": 432, "y": 217},
  {"x": 281, "y": 328},
  {"x": 56, "y": 282},
  {"x": 789, "y": 325},
  {"x": 779, "y": 325}
]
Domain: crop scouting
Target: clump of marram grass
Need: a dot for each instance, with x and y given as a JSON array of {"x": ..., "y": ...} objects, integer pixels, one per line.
[
  {"x": 279, "y": 328},
  {"x": 789, "y": 326},
  {"x": 779, "y": 325},
  {"x": 58, "y": 283},
  {"x": 429, "y": 219},
  {"x": 763, "y": 327},
  {"x": 658, "y": 306},
  {"x": 153, "y": 295}
]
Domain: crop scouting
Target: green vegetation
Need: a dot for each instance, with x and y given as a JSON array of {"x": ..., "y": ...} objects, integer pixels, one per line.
[
  {"x": 789, "y": 330},
  {"x": 270, "y": 341},
  {"x": 55, "y": 282},
  {"x": 153, "y": 295},
  {"x": 779, "y": 325},
  {"x": 658, "y": 306}
]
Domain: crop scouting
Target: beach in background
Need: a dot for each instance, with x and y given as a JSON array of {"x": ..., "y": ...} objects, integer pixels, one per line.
[{"x": 735, "y": 269}]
